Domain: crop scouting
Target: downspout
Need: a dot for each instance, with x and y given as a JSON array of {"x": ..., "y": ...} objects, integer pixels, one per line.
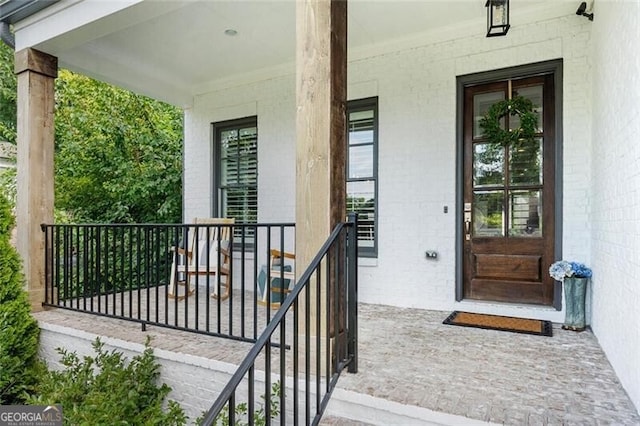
[{"x": 6, "y": 35}]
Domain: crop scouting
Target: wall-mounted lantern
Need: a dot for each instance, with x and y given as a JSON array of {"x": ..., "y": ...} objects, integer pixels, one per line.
[{"x": 497, "y": 17}]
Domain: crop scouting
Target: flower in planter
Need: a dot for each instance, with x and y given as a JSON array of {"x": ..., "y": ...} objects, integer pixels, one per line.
[{"x": 562, "y": 269}]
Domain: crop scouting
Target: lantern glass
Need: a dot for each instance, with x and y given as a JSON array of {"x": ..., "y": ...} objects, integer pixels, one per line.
[{"x": 497, "y": 17}]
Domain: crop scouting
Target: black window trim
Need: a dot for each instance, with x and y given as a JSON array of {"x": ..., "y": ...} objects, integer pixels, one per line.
[
  {"x": 217, "y": 128},
  {"x": 365, "y": 104}
]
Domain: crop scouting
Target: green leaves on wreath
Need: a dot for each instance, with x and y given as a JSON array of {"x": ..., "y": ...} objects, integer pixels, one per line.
[{"x": 517, "y": 106}]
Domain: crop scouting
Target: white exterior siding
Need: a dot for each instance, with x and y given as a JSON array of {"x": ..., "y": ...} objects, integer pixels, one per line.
[
  {"x": 616, "y": 189},
  {"x": 417, "y": 153}
]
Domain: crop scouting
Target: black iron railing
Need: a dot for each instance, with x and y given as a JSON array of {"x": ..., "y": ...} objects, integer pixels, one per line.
[
  {"x": 318, "y": 323},
  {"x": 167, "y": 275}
]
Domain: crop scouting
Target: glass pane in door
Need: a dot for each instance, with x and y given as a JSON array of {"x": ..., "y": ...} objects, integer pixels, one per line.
[
  {"x": 488, "y": 213},
  {"x": 534, "y": 94},
  {"x": 488, "y": 165},
  {"x": 481, "y": 105},
  {"x": 525, "y": 213},
  {"x": 525, "y": 163}
]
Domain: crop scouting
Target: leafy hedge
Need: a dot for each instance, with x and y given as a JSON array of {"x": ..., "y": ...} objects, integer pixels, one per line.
[
  {"x": 108, "y": 390},
  {"x": 18, "y": 329}
]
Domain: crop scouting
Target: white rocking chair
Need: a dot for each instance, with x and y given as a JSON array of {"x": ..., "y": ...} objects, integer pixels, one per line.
[{"x": 208, "y": 253}]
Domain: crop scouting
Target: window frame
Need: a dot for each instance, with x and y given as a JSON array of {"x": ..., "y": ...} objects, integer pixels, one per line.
[
  {"x": 366, "y": 104},
  {"x": 217, "y": 129}
]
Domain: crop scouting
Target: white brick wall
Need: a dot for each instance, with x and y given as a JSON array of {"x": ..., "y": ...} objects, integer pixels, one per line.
[
  {"x": 273, "y": 101},
  {"x": 615, "y": 214},
  {"x": 417, "y": 149},
  {"x": 417, "y": 155},
  {"x": 195, "y": 381}
]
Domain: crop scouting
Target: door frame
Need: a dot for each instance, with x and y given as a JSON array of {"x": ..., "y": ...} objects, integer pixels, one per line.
[{"x": 554, "y": 66}]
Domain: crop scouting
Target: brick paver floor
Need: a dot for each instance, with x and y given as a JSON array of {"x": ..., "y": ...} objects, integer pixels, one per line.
[{"x": 409, "y": 356}]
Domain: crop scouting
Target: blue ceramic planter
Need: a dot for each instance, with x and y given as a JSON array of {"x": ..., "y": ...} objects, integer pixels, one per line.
[{"x": 575, "y": 292}]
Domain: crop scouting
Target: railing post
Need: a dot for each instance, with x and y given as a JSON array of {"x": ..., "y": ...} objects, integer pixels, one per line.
[
  {"x": 47, "y": 268},
  {"x": 352, "y": 289}
]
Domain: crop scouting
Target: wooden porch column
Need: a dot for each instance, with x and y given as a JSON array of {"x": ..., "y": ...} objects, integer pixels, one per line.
[
  {"x": 36, "y": 72},
  {"x": 321, "y": 91}
]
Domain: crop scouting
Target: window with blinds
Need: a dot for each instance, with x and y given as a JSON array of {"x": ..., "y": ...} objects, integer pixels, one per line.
[
  {"x": 236, "y": 161},
  {"x": 362, "y": 171}
]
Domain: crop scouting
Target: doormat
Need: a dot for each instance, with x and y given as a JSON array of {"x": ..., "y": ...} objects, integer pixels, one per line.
[{"x": 495, "y": 322}]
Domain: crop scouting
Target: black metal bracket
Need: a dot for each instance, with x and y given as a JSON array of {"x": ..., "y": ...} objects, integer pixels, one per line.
[{"x": 582, "y": 11}]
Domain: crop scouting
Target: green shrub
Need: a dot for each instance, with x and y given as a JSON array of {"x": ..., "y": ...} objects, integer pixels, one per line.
[
  {"x": 18, "y": 329},
  {"x": 106, "y": 390},
  {"x": 242, "y": 411}
]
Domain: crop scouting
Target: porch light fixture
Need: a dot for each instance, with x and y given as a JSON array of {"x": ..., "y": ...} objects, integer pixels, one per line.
[
  {"x": 582, "y": 11},
  {"x": 230, "y": 32},
  {"x": 497, "y": 17}
]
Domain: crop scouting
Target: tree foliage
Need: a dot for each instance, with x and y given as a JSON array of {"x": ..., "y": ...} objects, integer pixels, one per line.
[
  {"x": 18, "y": 329},
  {"x": 118, "y": 154},
  {"x": 8, "y": 95}
]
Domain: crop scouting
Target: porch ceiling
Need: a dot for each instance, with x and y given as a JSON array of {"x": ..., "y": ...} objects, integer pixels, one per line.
[{"x": 174, "y": 50}]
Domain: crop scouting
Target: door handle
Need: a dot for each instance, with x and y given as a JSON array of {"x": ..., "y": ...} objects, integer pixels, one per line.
[{"x": 467, "y": 225}]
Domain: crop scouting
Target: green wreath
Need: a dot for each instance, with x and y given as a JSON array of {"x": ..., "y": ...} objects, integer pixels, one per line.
[{"x": 518, "y": 105}]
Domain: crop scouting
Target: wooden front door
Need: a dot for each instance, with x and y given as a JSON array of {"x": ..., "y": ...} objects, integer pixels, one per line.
[{"x": 508, "y": 229}]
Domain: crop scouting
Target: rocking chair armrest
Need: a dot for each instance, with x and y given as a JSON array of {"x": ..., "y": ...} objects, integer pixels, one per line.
[
  {"x": 224, "y": 251},
  {"x": 180, "y": 250},
  {"x": 275, "y": 253}
]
